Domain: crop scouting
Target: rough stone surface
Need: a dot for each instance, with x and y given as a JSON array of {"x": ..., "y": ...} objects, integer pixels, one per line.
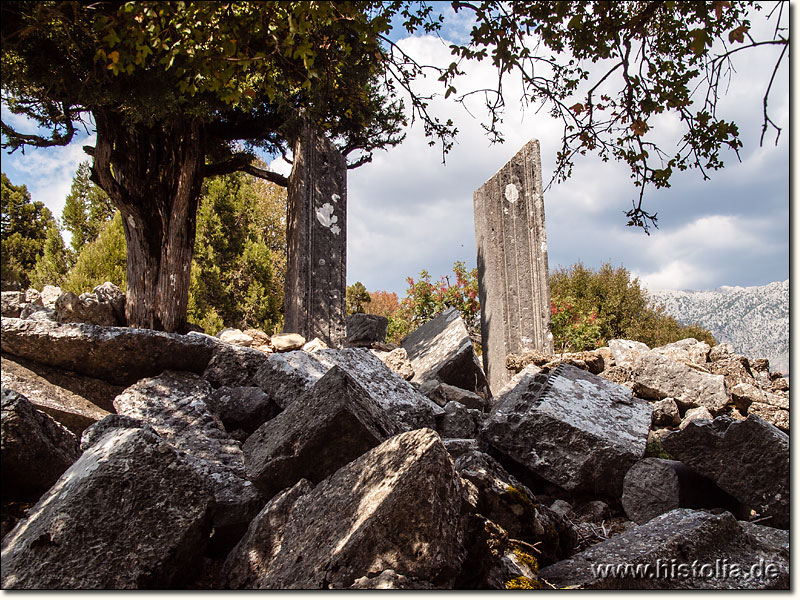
[
  {"x": 748, "y": 459},
  {"x": 441, "y": 349},
  {"x": 656, "y": 376},
  {"x": 606, "y": 428},
  {"x": 96, "y": 432},
  {"x": 234, "y": 366},
  {"x": 364, "y": 330},
  {"x": 85, "y": 308},
  {"x": 245, "y": 408},
  {"x": 458, "y": 421},
  {"x": 314, "y": 345},
  {"x": 287, "y": 342},
  {"x": 695, "y": 414},
  {"x": 513, "y": 276},
  {"x": 397, "y": 361},
  {"x": 119, "y": 355},
  {"x": 735, "y": 368},
  {"x": 679, "y": 537},
  {"x": 108, "y": 293},
  {"x": 510, "y": 504},
  {"x": 11, "y": 303},
  {"x": 389, "y": 580},
  {"x": 235, "y": 336},
  {"x": 666, "y": 413},
  {"x": 245, "y": 563},
  {"x": 333, "y": 423},
  {"x": 688, "y": 351},
  {"x": 771, "y": 414},
  {"x": 744, "y": 394},
  {"x": 174, "y": 404},
  {"x": 654, "y": 486},
  {"x": 720, "y": 352},
  {"x": 316, "y": 236},
  {"x": 49, "y": 295},
  {"x": 69, "y": 398},
  {"x": 396, "y": 507},
  {"x": 458, "y": 446},
  {"x": 32, "y": 312},
  {"x": 36, "y": 450},
  {"x": 625, "y": 352},
  {"x": 129, "y": 514}
]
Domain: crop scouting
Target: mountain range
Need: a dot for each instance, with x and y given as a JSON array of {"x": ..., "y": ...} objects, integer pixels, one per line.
[{"x": 754, "y": 320}]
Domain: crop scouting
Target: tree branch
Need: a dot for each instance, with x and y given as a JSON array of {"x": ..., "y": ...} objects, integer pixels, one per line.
[{"x": 243, "y": 162}]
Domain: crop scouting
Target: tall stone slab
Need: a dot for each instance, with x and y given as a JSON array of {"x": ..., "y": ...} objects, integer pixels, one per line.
[
  {"x": 512, "y": 263},
  {"x": 314, "y": 299}
]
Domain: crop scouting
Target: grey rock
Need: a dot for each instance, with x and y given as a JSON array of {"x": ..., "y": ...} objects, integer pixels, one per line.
[
  {"x": 530, "y": 378},
  {"x": 625, "y": 352},
  {"x": 735, "y": 368},
  {"x": 85, "y": 308},
  {"x": 245, "y": 408},
  {"x": 235, "y": 336},
  {"x": 748, "y": 459},
  {"x": 119, "y": 355},
  {"x": 335, "y": 422},
  {"x": 396, "y": 507},
  {"x": 510, "y": 504},
  {"x": 11, "y": 303},
  {"x": 389, "y": 580},
  {"x": 744, "y": 394},
  {"x": 594, "y": 511},
  {"x": 174, "y": 404},
  {"x": 364, "y": 329},
  {"x": 95, "y": 432},
  {"x": 49, "y": 295},
  {"x": 316, "y": 239},
  {"x": 656, "y": 377},
  {"x": 606, "y": 427},
  {"x": 513, "y": 276},
  {"x": 108, "y": 293},
  {"x": 31, "y": 312},
  {"x": 654, "y": 486},
  {"x": 666, "y": 413},
  {"x": 287, "y": 342},
  {"x": 33, "y": 296},
  {"x": 74, "y": 400},
  {"x": 561, "y": 507},
  {"x": 36, "y": 450},
  {"x": 246, "y": 564},
  {"x": 695, "y": 414},
  {"x": 458, "y": 421},
  {"x": 688, "y": 351},
  {"x": 675, "y": 546},
  {"x": 286, "y": 376},
  {"x": 234, "y": 366},
  {"x": 129, "y": 514},
  {"x": 444, "y": 393},
  {"x": 397, "y": 361},
  {"x": 441, "y": 349},
  {"x": 771, "y": 414},
  {"x": 458, "y": 446}
]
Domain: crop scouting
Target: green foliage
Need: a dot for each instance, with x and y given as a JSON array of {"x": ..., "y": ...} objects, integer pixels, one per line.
[
  {"x": 87, "y": 208},
  {"x": 426, "y": 299},
  {"x": 102, "y": 259},
  {"x": 52, "y": 266},
  {"x": 240, "y": 255},
  {"x": 356, "y": 298},
  {"x": 621, "y": 309},
  {"x": 24, "y": 227},
  {"x": 655, "y": 449}
]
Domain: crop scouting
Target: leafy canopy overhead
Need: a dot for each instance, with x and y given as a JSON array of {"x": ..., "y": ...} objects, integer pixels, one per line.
[{"x": 606, "y": 70}]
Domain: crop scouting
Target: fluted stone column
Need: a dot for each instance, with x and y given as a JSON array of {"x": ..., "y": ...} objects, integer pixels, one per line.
[
  {"x": 314, "y": 297},
  {"x": 512, "y": 263}
]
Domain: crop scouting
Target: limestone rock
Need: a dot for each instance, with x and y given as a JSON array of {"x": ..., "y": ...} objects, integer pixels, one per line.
[
  {"x": 734, "y": 367},
  {"x": 654, "y": 486},
  {"x": 625, "y": 352},
  {"x": 95, "y": 432},
  {"x": 108, "y": 293},
  {"x": 389, "y": 580},
  {"x": 771, "y": 414},
  {"x": 748, "y": 459},
  {"x": 174, "y": 404},
  {"x": 442, "y": 394},
  {"x": 666, "y": 413},
  {"x": 85, "y": 308},
  {"x": 458, "y": 421},
  {"x": 688, "y": 351},
  {"x": 396, "y": 507},
  {"x": 364, "y": 329},
  {"x": 397, "y": 361},
  {"x": 32, "y": 312},
  {"x": 259, "y": 337},
  {"x": 49, "y": 295},
  {"x": 720, "y": 352},
  {"x": 656, "y": 376},
  {"x": 234, "y": 366},
  {"x": 619, "y": 375},
  {"x": 129, "y": 514},
  {"x": 744, "y": 394},
  {"x": 119, "y": 355},
  {"x": 695, "y": 414},
  {"x": 314, "y": 345},
  {"x": 530, "y": 378},
  {"x": 458, "y": 446},
  {"x": 333, "y": 423},
  {"x": 672, "y": 545},
  {"x": 11, "y": 303},
  {"x": 235, "y": 336},
  {"x": 442, "y": 349},
  {"x": 286, "y": 342},
  {"x": 75, "y": 401},
  {"x": 245, "y": 408},
  {"x": 606, "y": 427},
  {"x": 36, "y": 450}
]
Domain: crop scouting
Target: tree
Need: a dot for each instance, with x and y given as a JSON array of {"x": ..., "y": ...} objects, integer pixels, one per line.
[
  {"x": 181, "y": 92},
  {"x": 102, "y": 259},
  {"x": 356, "y": 297},
  {"x": 426, "y": 299},
  {"x": 87, "y": 208},
  {"x": 53, "y": 264},
  {"x": 24, "y": 228}
]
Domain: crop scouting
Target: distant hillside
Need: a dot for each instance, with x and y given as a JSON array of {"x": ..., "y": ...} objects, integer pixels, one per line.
[{"x": 754, "y": 320}]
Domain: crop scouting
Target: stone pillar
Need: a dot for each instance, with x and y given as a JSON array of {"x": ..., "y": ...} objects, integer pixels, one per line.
[
  {"x": 314, "y": 294},
  {"x": 512, "y": 263}
]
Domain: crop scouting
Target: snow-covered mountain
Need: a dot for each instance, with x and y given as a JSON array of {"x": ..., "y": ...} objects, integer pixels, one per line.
[{"x": 754, "y": 320}]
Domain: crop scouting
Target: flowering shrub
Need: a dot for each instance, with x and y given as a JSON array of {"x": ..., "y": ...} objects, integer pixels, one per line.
[
  {"x": 425, "y": 298},
  {"x": 574, "y": 330}
]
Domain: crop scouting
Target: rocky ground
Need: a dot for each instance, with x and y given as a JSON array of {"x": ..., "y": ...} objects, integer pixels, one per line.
[{"x": 135, "y": 459}]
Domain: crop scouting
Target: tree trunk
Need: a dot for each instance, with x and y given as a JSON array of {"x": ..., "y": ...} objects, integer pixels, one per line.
[{"x": 154, "y": 176}]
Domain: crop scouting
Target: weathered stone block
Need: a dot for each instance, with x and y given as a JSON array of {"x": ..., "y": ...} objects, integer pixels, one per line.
[
  {"x": 365, "y": 330},
  {"x": 748, "y": 459},
  {"x": 625, "y": 352},
  {"x": 441, "y": 349},
  {"x": 316, "y": 235},
  {"x": 245, "y": 408},
  {"x": 129, "y": 514},
  {"x": 11, "y": 304},
  {"x": 606, "y": 428},
  {"x": 334, "y": 422},
  {"x": 512, "y": 263}
]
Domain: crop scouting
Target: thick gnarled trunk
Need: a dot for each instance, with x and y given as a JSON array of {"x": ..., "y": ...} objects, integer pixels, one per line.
[{"x": 154, "y": 177}]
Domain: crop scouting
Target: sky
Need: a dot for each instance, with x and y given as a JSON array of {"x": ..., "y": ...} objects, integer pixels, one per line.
[{"x": 407, "y": 211}]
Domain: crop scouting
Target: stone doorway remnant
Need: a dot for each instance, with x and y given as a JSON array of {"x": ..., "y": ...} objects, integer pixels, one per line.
[
  {"x": 314, "y": 298},
  {"x": 512, "y": 263}
]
